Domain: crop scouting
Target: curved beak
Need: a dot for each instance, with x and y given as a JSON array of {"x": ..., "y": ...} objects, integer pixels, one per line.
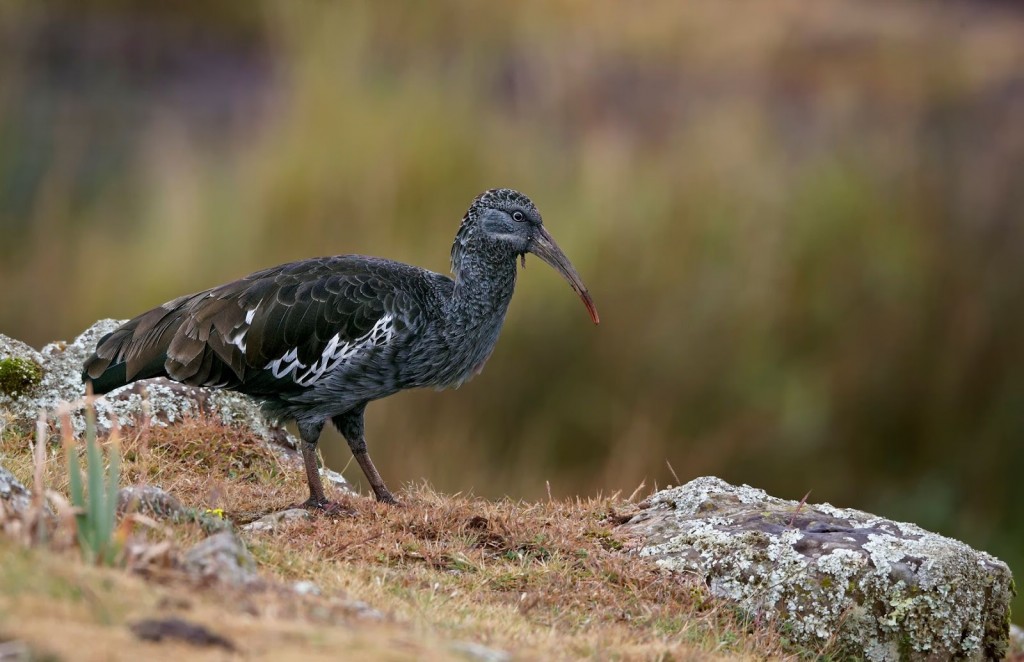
[{"x": 543, "y": 246}]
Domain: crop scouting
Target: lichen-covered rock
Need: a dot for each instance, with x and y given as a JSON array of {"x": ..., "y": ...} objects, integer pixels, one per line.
[
  {"x": 150, "y": 500},
  {"x": 223, "y": 558},
  {"x": 882, "y": 590}
]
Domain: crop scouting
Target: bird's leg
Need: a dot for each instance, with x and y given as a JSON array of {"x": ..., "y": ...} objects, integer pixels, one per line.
[
  {"x": 380, "y": 490},
  {"x": 350, "y": 424},
  {"x": 317, "y": 497},
  {"x": 310, "y": 433}
]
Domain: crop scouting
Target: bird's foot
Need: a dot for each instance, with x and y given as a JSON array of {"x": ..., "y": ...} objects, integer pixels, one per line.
[
  {"x": 384, "y": 495},
  {"x": 326, "y": 506}
]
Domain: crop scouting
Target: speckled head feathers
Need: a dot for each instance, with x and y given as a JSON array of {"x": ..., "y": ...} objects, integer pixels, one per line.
[{"x": 505, "y": 199}]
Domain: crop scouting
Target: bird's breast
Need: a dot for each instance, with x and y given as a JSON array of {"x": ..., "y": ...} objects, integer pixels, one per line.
[
  {"x": 451, "y": 356},
  {"x": 477, "y": 346}
]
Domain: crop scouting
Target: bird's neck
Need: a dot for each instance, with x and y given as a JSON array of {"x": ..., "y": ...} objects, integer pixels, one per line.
[
  {"x": 473, "y": 315},
  {"x": 484, "y": 282}
]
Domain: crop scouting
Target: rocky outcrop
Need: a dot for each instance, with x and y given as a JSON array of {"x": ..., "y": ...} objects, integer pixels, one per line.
[{"x": 877, "y": 589}]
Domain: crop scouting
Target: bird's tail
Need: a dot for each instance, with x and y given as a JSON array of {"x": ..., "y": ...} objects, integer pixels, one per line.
[
  {"x": 189, "y": 340},
  {"x": 135, "y": 350}
]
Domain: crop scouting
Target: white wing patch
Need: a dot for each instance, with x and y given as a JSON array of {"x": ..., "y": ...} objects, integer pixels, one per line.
[
  {"x": 335, "y": 354},
  {"x": 288, "y": 363},
  {"x": 237, "y": 336}
]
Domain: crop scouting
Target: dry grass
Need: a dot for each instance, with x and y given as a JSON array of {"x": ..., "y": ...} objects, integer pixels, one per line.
[
  {"x": 57, "y": 608},
  {"x": 543, "y": 580}
]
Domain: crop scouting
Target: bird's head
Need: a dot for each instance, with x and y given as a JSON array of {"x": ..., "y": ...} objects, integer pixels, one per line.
[{"x": 505, "y": 224}]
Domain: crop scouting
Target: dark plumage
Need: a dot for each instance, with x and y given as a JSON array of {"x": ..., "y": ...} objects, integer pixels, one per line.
[{"x": 318, "y": 339}]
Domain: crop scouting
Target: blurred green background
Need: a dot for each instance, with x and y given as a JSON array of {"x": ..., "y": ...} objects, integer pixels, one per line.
[{"x": 803, "y": 223}]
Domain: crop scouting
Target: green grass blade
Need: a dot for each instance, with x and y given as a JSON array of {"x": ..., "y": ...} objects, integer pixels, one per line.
[
  {"x": 75, "y": 477},
  {"x": 110, "y": 505},
  {"x": 94, "y": 504},
  {"x": 77, "y": 493}
]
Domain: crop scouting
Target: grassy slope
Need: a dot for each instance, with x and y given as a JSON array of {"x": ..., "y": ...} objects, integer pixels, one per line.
[{"x": 541, "y": 580}]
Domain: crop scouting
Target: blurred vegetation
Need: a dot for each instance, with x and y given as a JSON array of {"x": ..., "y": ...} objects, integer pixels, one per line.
[{"x": 803, "y": 225}]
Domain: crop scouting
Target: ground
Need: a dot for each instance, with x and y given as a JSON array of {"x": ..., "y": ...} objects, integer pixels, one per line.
[{"x": 435, "y": 578}]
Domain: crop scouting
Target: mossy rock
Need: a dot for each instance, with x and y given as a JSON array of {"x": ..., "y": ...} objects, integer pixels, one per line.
[{"x": 19, "y": 376}]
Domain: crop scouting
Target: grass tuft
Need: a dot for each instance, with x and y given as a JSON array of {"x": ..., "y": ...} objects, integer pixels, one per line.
[{"x": 95, "y": 498}]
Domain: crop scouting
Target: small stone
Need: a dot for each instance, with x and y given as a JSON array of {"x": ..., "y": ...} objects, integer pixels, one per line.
[
  {"x": 16, "y": 650},
  {"x": 274, "y": 520},
  {"x": 178, "y": 629},
  {"x": 149, "y": 500},
  {"x": 15, "y": 496},
  {"x": 1016, "y": 638},
  {"x": 306, "y": 588},
  {"x": 223, "y": 558},
  {"x": 336, "y": 479},
  {"x": 479, "y": 652},
  {"x": 362, "y": 610}
]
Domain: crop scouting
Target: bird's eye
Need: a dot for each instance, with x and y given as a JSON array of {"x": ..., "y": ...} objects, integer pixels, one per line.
[{"x": 518, "y": 216}]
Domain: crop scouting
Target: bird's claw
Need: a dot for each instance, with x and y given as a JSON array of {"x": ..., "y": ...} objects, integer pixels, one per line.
[
  {"x": 385, "y": 496},
  {"x": 326, "y": 506}
]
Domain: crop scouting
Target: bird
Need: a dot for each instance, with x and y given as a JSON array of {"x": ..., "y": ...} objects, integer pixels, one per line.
[{"x": 318, "y": 339}]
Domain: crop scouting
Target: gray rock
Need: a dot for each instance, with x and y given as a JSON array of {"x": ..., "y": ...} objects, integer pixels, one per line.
[
  {"x": 223, "y": 558},
  {"x": 16, "y": 650},
  {"x": 274, "y": 520},
  {"x": 149, "y": 500},
  {"x": 473, "y": 651},
  {"x": 15, "y": 496},
  {"x": 362, "y": 610},
  {"x": 306, "y": 587},
  {"x": 336, "y": 479},
  {"x": 883, "y": 590}
]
